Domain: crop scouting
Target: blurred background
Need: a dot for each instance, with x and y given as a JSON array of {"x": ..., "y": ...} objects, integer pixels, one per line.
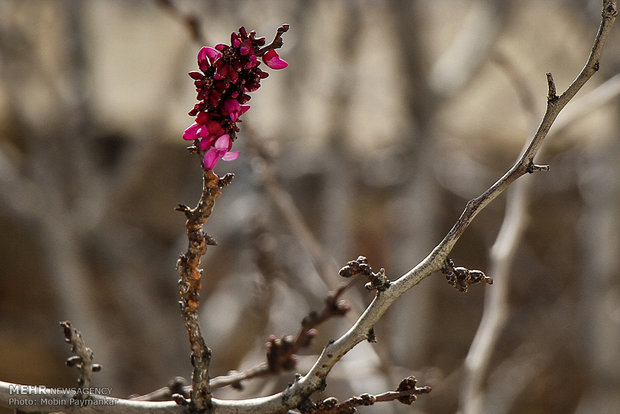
[{"x": 391, "y": 115}]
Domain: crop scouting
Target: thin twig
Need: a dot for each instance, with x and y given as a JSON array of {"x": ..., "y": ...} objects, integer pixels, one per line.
[
  {"x": 83, "y": 358},
  {"x": 406, "y": 393}
]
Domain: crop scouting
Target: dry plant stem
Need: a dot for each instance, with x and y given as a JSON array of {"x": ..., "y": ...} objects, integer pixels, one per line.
[
  {"x": 367, "y": 400},
  {"x": 190, "y": 283},
  {"x": 83, "y": 359}
]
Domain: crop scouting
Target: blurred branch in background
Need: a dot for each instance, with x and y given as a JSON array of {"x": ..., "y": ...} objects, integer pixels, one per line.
[{"x": 394, "y": 114}]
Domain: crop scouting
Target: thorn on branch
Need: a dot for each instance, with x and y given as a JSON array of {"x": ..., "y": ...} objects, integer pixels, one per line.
[
  {"x": 552, "y": 95},
  {"x": 461, "y": 278},
  {"x": 532, "y": 168},
  {"x": 225, "y": 180},
  {"x": 182, "y": 208},
  {"x": 372, "y": 337}
]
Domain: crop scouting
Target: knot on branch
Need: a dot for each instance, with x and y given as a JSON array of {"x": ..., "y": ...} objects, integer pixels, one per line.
[
  {"x": 377, "y": 281},
  {"x": 461, "y": 278},
  {"x": 532, "y": 168},
  {"x": 610, "y": 10}
]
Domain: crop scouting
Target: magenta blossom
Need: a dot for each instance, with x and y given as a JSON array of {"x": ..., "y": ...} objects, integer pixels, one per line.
[
  {"x": 273, "y": 60},
  {"x": 234, "y": 109},
  {"x": 219, "y": 150},
  {"x": 228, "y": 73}
]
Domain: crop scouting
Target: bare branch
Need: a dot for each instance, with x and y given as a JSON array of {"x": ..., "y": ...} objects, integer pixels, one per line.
[
  {"x": 83, "y": 359},
  {"x": 406, "y": 393},
  {"x": 190, "y": 283}
]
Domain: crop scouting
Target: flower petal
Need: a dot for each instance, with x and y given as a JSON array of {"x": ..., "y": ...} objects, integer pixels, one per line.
[
  {"x": 203, "y": 63},
  {"x": 230, "y": 156},
  {"x": 210, "y": 159},
  {"x": 273, "y": 60},
  {"x": 211, "y": 53},
  {"x": 205, "y": 143},
  {"x": 191, "y": 133},
  {"x": 214, "y": 128},
  {"x": 233, "y": 109},
  {"x": 223, "y": 143},
  {"x": 202, "y": 117}
]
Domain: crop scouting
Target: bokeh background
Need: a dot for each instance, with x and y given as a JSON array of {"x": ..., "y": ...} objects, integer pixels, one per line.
[{"x": 391, "y": 115}]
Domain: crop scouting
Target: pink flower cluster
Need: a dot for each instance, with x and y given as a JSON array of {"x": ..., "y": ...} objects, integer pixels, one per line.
[{"x": 227, "y": 74}]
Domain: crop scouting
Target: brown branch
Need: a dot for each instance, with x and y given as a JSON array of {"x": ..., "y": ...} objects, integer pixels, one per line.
[
  {"x": 83, "y": 358},
  {"x": 525, "y": 163},
  {"x": 190, "y": 283},
  {"x": 277, "y": 41},
  {"x": 406, "y": 393}
]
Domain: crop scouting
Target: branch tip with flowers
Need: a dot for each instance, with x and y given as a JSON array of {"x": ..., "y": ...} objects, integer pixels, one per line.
[{"x": 227, "y": 74}]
